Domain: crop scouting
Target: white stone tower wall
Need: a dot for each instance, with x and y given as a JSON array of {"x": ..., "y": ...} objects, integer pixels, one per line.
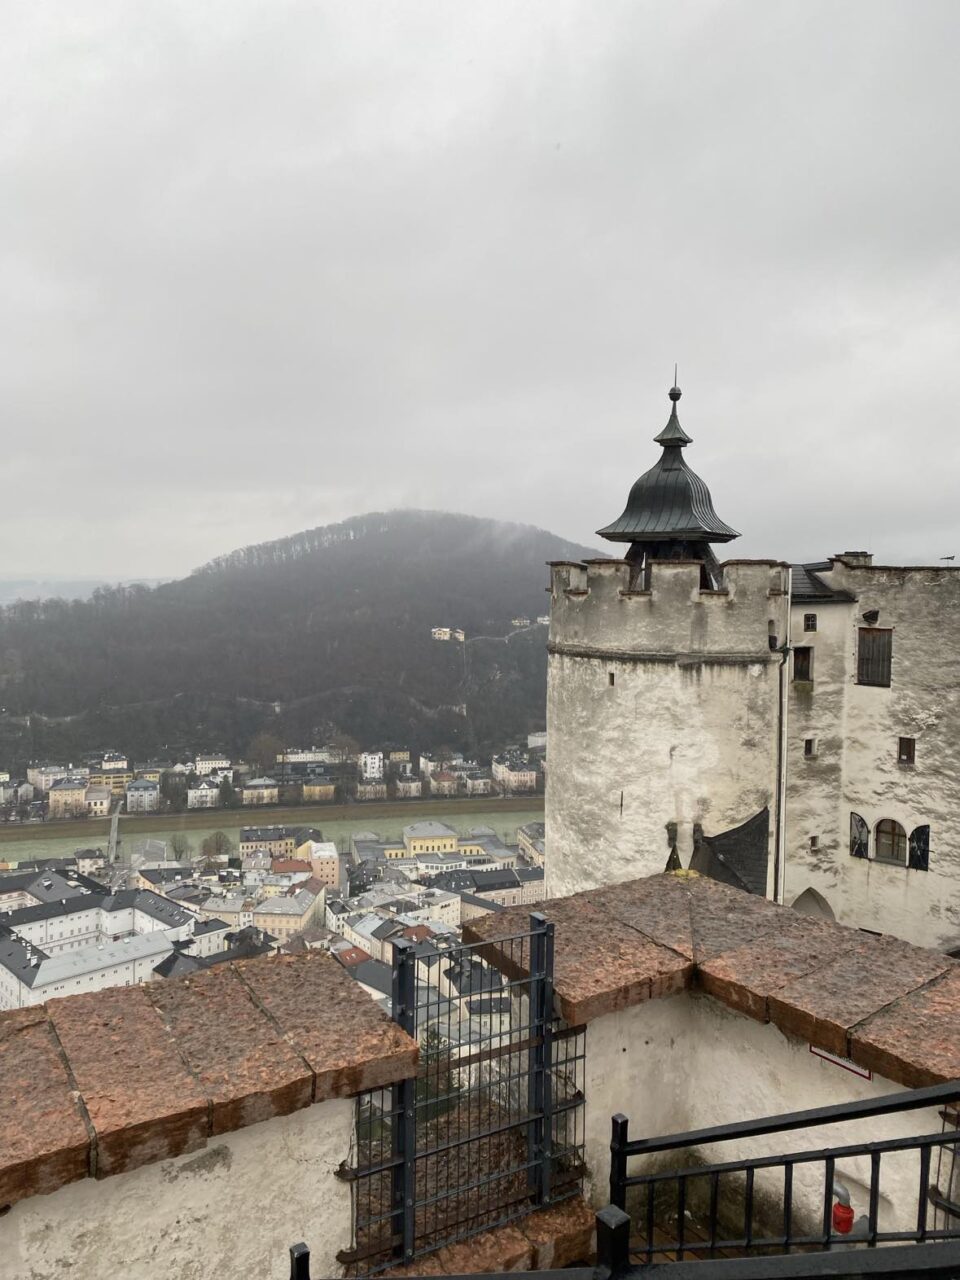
[
  {"x": 687, "y": 731},
  {"x": 857, "y": 769}
]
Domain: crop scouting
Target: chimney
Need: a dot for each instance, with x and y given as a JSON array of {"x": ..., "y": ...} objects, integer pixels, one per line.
[{"x": 858, "y": 559}]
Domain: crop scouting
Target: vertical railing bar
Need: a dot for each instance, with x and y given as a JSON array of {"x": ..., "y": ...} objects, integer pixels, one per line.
[
  {"x": 922, "y": 1200},
  {"x": 714, "y": 1201},
  {"x": 405, "y": 1099},
  {"x": 618, "y": 1161},
  {"x": 748, "y": 1210},
  {"x": 874, "y": 1198},
  {"x": 650, "y": 1219},
  {"x": 535, "y": 1059},
  {"x": 681, "y": 1215},
  {"x": 828, "y": 1170},
  {"x": 546, "y": 1035},
  {"x": 788, "y": 1204}
]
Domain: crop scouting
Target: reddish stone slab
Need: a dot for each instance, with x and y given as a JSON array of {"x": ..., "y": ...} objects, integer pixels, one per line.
[
  {"x": 331, "y": 1022},
  {"x": 915, "y": 1040},
  {"x": 142, "y": 1101},
  {"x": 658, "y": 906},
  {"x": 872, "y": 973},
  {"x": 725, "y": 918},
  {"x": 600, "y": 964},
  {"x": 245, "y": 1067},
  {"x": 504, "y": 1249},
  {"x": 562, "y": 1236},
  {"x": 745, "y": 977},
  {"x": 44, "y": 1143}
]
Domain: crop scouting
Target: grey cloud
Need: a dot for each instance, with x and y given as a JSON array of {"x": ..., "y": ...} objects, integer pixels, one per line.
[{"x": 265, "y": 266}]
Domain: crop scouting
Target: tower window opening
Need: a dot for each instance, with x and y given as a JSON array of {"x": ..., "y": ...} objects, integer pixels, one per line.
[
  {"x": 814, "y": 842},
  {"x": 809, "y": 748},
  {"x": 907, "y": 751},
  {"x": 803, "y": 663},
  {"x": 809, "y": 622},
  {"x": 890, "y": 842},
  {"x": 611, "y": 679}
]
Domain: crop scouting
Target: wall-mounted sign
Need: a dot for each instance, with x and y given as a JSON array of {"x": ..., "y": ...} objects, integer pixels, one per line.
[{"x": 841, "y": 1062}]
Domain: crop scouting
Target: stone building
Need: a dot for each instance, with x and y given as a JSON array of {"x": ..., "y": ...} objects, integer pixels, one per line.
[{"x": 791, "y": 730}]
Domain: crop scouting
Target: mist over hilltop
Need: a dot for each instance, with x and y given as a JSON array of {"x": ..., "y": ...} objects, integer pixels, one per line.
[{"x": 328, "y": 630}]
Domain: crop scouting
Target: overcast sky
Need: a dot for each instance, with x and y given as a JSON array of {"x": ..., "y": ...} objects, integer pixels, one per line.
[{"x": 267, "y": 265}]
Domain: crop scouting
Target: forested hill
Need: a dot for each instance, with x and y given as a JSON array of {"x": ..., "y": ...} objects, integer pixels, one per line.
[{"x": 327, "y": 631}]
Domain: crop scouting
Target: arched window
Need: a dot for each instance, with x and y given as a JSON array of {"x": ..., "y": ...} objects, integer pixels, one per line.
[{"x": 890, "y": 842}]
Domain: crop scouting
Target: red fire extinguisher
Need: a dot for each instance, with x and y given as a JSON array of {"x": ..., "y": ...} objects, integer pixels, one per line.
[{"x": 843, "y": 1218}]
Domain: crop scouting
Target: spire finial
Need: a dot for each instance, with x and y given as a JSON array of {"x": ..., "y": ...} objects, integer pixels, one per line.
[{"x": 675, "y": 393}]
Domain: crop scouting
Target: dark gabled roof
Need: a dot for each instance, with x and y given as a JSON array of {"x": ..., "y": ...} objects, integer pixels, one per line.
[
  {"x": 737, "y": 857},
  {"x": 485, "y": 881},
  {"x": 375, "y": 974},
  {"x": 807, "y": 585},
  {"x": 178, "y": 964},
  {"x": 669, "y": 502},
  {"x": 474, "y": 900}
]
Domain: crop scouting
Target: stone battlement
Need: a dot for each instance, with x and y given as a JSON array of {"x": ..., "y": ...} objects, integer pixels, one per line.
[{"x": 595, "y": 605}]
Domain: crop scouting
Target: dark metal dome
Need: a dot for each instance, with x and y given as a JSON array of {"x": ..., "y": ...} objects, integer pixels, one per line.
[{"x": 669, "y": 503}]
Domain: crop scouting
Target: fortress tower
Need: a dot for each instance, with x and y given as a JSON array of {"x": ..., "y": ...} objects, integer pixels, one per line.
[{"x": 666, "y": 696}]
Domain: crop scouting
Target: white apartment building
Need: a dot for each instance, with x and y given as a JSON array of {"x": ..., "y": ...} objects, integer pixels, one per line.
[
  {"x": 97, "y": 801},
  {"x": 143, "y": 796},
  {"x": 371, "y": 766},
  {"x": 205, "y": 795},
  {"x": 205, "y": 764},
  {"x": 86, "y": 941},
  {"x": 43, "y": 776}
]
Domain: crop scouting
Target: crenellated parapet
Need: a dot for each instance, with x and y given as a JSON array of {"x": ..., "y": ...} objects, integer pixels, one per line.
[{"x": 600, "y": 607}]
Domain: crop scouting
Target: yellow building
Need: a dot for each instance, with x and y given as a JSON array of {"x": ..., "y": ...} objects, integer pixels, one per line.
[
  {"x": 116, "y": 779},
  {"x": 428, "y": 837},
  {"x": 261, "y": 791},
  {"x": 68, "y": 798},
  {"x": 279, "y": 842},
  {"x": 319, "y": 792}
]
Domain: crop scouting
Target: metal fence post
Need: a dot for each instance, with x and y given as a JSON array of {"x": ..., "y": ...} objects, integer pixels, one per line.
[
  {"x": 539, "y": 1078},
  {"x": 618, "y": 1161},
  {"x": 299, "y": 1262},
  {"x": 404, "y": 1103},
  {"x": 613, "y": 1241}
]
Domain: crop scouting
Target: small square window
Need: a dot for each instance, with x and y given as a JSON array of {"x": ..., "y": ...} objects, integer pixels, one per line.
[
  {"x": 803, "y": 663},
  {"x": 814, "y": 842},
  {"x": 907, "y": 751},
  {"x": 809, "y": 748},
  {"x": 809, "y": 622}
]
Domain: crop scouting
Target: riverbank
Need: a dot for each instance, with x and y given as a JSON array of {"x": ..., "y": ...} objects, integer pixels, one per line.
[{"x": 336, "y": 821}]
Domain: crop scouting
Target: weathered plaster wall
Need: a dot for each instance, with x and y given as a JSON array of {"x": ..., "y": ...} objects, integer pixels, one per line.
[
  {"x": 923, "y": 702},
  {"x": 687, "y": 731},
  {"x": 234, "y": 1209},
  {"x": 815, "y": 785},
  {"x": 688, "y": 1062}
]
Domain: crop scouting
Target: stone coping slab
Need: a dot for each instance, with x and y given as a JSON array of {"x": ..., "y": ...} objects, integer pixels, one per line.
[
  {"x": 102, "y": 1083},
  {"x": 890, "y": 1007}
]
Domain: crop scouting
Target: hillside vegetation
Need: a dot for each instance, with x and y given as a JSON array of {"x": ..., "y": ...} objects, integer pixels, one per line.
[{"x": 324, "y": 632}]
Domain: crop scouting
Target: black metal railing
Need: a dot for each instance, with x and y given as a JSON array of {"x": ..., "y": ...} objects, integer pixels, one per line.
[
  {"x": 491, "y": 1126},
  {"x": 613, "y": 1262},
  {"x": 751, "y": 1205}
]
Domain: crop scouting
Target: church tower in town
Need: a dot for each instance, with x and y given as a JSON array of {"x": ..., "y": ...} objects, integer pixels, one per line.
[{"x": 665, "y": 695}]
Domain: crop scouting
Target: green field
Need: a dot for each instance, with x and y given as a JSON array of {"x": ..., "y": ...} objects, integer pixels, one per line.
[{"x": 337, "y": 822}]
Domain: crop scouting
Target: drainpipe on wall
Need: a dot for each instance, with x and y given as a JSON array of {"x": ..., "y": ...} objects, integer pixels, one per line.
[{"x": 779, "y": 840}]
